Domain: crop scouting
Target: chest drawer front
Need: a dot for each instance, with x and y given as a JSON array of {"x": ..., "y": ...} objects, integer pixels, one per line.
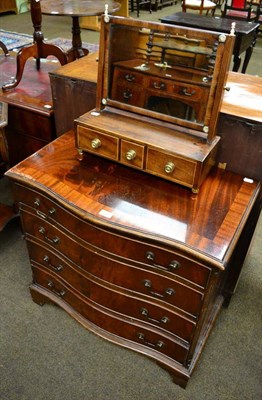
[
  {"x": 135, "y": 279},
  {"x": 128, "y": 76},
  {"x": 129, "y": 93},
  {"x": 132, "y": 154},
  {"x": 145, "y": 255},
  {"x": 191, "y": 93},
  {"x": 136, "y": 332},
  {"x": 160, "y": 85},
  {"x": 97, "y": 142},
  {"x": 171, "y": 167},
  {"x": 123, "y": 302}
]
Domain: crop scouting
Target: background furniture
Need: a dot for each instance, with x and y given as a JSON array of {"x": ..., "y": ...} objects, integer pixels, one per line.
[
  {"x": 259, "y": 16},
  {"x": 4, "y": 48},
  {"x": 31, "y": 123},
  {"x": 148, "y": 272},
  {"x": 160, "y": 3},
  {"x": 246, "y": 33},
  {"x": 199, "y": 5},
  {"x": 136, "y": 4},
  {"x": 73, "y": 91},
  {"x": 240, "y": 126},
  {"x": 8, "y": 5},
  {"x": 239, "y": 9},
  {"x": 77, "y": 9},
  {"x": 40, "y": 49},
  {"x": 93, "y": 23},
  {"x": 3, "y": 144}
]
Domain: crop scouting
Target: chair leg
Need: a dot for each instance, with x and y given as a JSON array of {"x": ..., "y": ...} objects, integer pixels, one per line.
[{"x": 138, "y": 6}]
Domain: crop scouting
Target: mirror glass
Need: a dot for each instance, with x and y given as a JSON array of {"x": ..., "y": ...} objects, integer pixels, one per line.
[{"x": 156, "y": 69}]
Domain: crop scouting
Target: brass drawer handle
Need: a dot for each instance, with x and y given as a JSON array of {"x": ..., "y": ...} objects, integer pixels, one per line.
[
  {"x": 130, "y": 155},
  {"x": 41, "y": 214},
  {"x": 161, "y": 86},
  {"x": 145, "y": 313},
  {"x": 169, "y": 167},
  {"x": 54, "y": 240},
  {"x": 56, "y": 291},
  {"x": 168, "y": 292},
  {"x": 173, "y": 265},
  {"x": 57, "y": 268},
  {"x": 184, "y": 92},
  {"x": 159, "y": 344},
  {"x": 37, "y": 203},
  {"x": 130, "y": 77},
  {"x": 127, "y": 94},
  {"x": 96, "y": 143}
]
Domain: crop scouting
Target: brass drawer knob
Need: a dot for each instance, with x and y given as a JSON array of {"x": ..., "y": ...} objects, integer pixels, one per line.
[
  {"x": 130, "y": 155},
  {"x": 169, "y": 167},
  {"x": 96, "y": 143}
]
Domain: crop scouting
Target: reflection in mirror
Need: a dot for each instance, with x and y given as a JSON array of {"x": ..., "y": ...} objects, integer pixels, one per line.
[{"x": 161, "y": 71}]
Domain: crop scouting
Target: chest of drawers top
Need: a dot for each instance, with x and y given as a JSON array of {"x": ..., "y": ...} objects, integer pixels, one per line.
[{"x": 143, "y": 208}]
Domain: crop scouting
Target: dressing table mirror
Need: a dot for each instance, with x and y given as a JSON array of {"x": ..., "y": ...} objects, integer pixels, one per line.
[{"x": 158, "y": 97}]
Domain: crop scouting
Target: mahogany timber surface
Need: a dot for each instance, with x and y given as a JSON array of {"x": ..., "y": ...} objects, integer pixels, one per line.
[
  {"x": 73, "y": 90},
  {"x": 244, "y": 99},
  {"x": 206, "y": 225},
  {"x": 240, "y": 126},
  {"x": 34, "y": 90}
]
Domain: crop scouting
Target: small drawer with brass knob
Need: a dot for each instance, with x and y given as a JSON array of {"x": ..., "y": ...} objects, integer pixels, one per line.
[
  {"x": 132, "y": 154},
  {"x": 171, "y": 166},
  {"x": 97, "y": 142}
]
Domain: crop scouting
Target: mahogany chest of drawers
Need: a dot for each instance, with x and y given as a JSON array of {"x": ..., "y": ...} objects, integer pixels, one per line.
[{"x": 138, "y": 260}]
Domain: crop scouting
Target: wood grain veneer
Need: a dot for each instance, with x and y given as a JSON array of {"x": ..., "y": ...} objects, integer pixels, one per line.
[{"x": 136, "y": 259}]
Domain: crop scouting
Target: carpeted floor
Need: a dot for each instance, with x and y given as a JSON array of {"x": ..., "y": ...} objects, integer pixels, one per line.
[
  {"x": 67, "y": 43},
  {"x": 15, "y": 41}
]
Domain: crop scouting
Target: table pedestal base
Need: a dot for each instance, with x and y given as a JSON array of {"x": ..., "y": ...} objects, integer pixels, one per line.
[{"x": 40, "y": 49}]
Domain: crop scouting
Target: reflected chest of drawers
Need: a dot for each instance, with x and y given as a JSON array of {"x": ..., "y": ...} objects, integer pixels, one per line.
[{"x": 136, "y": 259}]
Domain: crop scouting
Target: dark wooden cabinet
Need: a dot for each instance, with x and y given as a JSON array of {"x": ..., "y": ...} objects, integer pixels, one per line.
[
  {"x": 136, "y": 259},
  {"x": 31, "y": 123},
  {"x": 73, "y": 91},
  {"x": 240, "y": 126},
  {"x": 27, "y": 132}
]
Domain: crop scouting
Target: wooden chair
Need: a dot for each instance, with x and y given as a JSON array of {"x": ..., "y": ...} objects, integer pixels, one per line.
[
  {"x": 259, "y": 15},
  {"x": 138, "y": 3},
  {"x": 240, "y": 9},
  {"x": 4, "y": 48},
  {"x": 199, "y": 5}
]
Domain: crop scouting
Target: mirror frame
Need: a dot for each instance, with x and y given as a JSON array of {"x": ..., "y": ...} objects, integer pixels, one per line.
[{"x": 222, "y": 43}]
